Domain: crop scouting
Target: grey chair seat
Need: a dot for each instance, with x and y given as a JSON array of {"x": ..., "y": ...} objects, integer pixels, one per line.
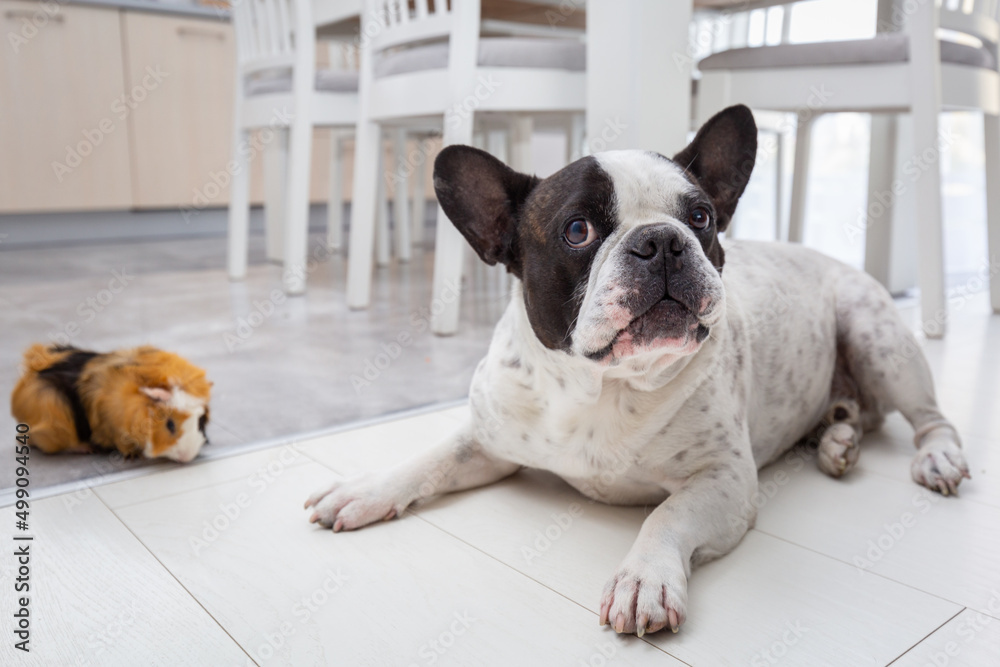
[
  {"x": 564, "y": 54},
  {"x": 327, "y": 80},
  {"x": 890, "y": 48}
]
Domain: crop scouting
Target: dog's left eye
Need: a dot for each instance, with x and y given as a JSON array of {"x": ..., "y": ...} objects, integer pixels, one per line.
[
  {"x": 171, "y": 426},
  {"x": 699, "y": 217},
  {"x": 580, "y": 233}
]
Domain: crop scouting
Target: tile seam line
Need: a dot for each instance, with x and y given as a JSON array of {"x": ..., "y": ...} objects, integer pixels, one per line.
[
  {"x": 852, "y": 565},
  {"x": 178, "y": 581},
  {"x": 958, "y": 496},
  {"x": 218, "y": 482},
  {"x": 529, "y": 577},
  {"x": 928, "y": 636},
  {"x": 410, "y": 512}
]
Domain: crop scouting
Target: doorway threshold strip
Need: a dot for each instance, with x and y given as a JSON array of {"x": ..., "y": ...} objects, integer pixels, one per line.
[{"x": 8, "y": 495}]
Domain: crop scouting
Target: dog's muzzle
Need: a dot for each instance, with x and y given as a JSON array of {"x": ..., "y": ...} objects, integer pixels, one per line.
[{"x": 667, "y": 287}]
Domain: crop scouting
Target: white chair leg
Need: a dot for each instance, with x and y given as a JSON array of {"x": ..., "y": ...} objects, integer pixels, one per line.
[
  {"x": 800, "y": 180},
  {"x": 991, "y": 136},
  {"x": 335, "y": 201},
  {"x": 450, "y": 246},
  {"x": 239, "y": 211},
  {"x": 383, "y": 247},
  {"x": 496, "y": 144},
  {"x": 400, "y": 204},
  {"x": 364, "y": 197},
  {"x": 418, "y": 217},
  {"x": 925, "y": 64},
  {"x": 779, "y": 183},
  {"x": 881, "y": 198},
  {"x": 930, "y": 231},
  {"x": 520, "y": 157},
  {"x": 449, "y": 250},
  {"x": 297, "y": 205},
  {"x": 275, "y": 202},
  {"x": 576, "y": 137},
  {"x": 521, "y": 129}
]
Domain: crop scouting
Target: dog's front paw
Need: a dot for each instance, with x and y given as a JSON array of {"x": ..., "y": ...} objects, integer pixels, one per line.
[
  {"x": 645, "y": 595},
  {"x": 940, "y": 464},
  {"x": 353, "y": 503}
]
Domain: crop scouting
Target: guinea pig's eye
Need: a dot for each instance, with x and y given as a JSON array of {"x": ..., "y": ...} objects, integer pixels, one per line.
[
  {"x": 171, "y": 426},
  {"x": 580, "y": 233},
  {"x": 699, "y": 217}
]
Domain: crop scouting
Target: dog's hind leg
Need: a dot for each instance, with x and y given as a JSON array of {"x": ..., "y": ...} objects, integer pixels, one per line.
[
  {"x": 841, "y": 430},
  {"x": 885, "y": 361}
]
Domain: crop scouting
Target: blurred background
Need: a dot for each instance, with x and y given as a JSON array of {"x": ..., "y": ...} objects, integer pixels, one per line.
[{"x": 249, "y": 185}]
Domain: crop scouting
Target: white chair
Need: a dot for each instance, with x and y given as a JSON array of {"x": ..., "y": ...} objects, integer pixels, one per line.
[
  {"x": 907, "y": 71},
  {"x": 430, "y": 62},
  {"x": 714, "y": 30},
  {"x": 279, "y": 90}
]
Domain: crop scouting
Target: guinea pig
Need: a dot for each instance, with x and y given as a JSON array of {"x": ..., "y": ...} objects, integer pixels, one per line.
[{"x": 141, "y": 401}]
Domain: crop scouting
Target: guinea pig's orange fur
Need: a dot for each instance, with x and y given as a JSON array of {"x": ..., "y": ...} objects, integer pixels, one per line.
[
  {"x": 37, "y": 403},
  {"x": 126, "y": 396}
]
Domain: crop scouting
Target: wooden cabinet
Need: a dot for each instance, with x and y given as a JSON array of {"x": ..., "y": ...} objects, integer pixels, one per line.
[
  {"x": 63, "y": 124},
  {"x": 181, "y": 131},
  {"x": 108, "y": 109},
  {"x": 181, "y": 138}
]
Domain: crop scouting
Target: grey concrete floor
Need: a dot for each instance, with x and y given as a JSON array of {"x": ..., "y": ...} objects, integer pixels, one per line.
[{"x": 280, "y": 366}]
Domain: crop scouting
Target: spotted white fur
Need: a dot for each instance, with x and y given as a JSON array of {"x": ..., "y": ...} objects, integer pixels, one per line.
[{"x": 688, "y": 428}]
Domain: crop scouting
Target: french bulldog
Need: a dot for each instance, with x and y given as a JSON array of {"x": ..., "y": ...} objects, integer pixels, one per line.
[{"x": 644, "y": 360}]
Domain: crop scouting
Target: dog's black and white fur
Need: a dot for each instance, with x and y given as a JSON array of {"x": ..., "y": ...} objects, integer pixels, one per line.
[{"x": 644, "y": 361}]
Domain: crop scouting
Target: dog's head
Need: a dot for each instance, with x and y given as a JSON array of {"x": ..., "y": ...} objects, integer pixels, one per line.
[{"x": 618, "y": 253}]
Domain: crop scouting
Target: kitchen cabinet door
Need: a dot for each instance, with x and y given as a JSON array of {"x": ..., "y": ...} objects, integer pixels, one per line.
[
  {"x": 183, "y": 71},
  {"x": 63, "y": 122}
]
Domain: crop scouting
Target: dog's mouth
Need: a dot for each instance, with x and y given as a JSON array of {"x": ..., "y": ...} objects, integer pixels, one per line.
[{"x": 668, "y": 323}]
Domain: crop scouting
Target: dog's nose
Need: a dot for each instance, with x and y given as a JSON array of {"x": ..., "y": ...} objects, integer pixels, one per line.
[{"x": 652, "y": 244}]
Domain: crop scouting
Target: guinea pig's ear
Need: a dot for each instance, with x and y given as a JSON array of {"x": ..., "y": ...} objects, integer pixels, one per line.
[
  {"x": 158, "y": 394},
  {"x": 483, "y": 198}
]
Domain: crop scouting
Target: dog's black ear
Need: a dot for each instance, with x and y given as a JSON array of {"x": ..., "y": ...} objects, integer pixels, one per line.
[
  {"x": 483, "y": 198},
  {"x": 721, "y": 158}
]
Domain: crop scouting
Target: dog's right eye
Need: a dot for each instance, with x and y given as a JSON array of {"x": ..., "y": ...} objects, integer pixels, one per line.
[
  {"x": 699, "y": 217},
  {"x": 580, "y": 233}
]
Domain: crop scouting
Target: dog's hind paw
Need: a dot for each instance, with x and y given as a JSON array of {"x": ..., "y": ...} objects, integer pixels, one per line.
[
  {"x": 838, "y": 449},
  {"x": 940, "y": 464}
]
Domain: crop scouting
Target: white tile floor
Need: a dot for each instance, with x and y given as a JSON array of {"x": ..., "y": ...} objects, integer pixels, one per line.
[{"x": 216, "y": 564}]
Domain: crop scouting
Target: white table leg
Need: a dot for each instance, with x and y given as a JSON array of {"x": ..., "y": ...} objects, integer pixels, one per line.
[
  {"x": 800, "y": 181},
  {"x": 638, "y": 74}
]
